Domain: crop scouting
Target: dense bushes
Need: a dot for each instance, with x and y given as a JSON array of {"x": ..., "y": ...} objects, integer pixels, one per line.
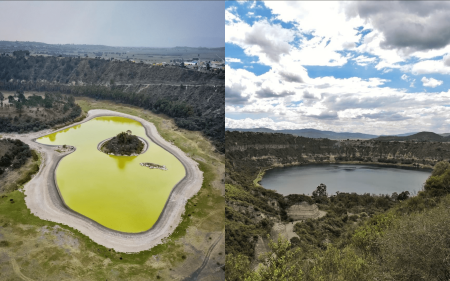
[
  {"x": 439, "y": 181},
  {"x": 123, "y": 144},
  {"x": 16, "y": 156}
]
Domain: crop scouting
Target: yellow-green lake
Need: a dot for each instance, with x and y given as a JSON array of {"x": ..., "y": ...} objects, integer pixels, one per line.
[{"x": 115, "y": 191}]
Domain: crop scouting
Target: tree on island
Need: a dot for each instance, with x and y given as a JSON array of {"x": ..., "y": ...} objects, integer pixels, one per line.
[{"x": 123, "y": 144}]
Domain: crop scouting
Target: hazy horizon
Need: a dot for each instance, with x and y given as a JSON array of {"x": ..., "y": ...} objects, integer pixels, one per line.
[
  {"x": 79, "y": 44},
  {"x": 153, "y": 24}
]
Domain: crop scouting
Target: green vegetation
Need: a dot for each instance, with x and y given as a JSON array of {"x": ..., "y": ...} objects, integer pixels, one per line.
[
  {"x": 36, "y": 113},
  {"x": 123, "y": 144},
  {"x": 390, "y": 240},
  {"x": 13, "y": 154}
]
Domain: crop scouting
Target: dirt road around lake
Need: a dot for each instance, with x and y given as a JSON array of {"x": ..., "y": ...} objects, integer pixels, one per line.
[{"x": 44, "y": 201}]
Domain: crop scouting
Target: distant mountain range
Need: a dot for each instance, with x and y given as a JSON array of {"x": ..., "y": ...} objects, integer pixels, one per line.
[{"x": 318, "y": 134}]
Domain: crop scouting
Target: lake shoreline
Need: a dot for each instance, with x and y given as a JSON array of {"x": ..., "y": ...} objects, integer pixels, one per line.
[{"x": 43, "y": 198}]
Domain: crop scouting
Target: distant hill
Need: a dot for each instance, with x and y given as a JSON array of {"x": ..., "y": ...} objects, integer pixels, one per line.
[
  {"x": 312, "y": 133},
  {"x": 422, "y": 136},
  {"x": 316, "y": 134}
]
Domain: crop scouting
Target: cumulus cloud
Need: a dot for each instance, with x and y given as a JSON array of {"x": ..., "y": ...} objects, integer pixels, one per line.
[
  {"x": 264, "y": 39},
  {"x": 288, "y": 95},
  {"x": 233, "y": 94},
  {"x": 433, "y": 83},
  {"x": 308, "y": 95},
  {"x": 407, "y": 26},
  {"x": 446, "y": 60},
  {"x": 291, "y": 77},
  {"x": 268, "y": 93},
  {"x": 431, "y": 66}
]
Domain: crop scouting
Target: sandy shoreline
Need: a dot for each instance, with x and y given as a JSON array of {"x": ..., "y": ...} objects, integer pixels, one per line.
[{"x": 44, "y": 201}]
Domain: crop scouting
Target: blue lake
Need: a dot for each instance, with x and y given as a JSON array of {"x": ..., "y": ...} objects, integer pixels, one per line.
[{"x": 345, "y": 178}]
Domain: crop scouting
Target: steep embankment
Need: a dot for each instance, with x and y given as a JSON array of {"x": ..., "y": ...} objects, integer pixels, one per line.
[{"x": 195, "y": 99}]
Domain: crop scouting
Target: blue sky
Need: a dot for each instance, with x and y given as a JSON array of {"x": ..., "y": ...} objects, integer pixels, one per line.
[
  {"x": 341, "y": 66},
  {"x": 115, "y": 23}
]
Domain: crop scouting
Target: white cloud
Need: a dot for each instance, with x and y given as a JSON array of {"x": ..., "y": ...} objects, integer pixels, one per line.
[
  {"x": 433, "y": 83},
  {"x": 233, "y": 60},
  {"x": 430, "y": 66},
  {"x": 363, "y": 60},
  {"x": 405, "y": 77}
]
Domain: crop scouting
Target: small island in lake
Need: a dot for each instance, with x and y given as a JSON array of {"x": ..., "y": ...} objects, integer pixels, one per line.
[
  {"x": 123, "y": 144},
  {"x": 154, "y": 166}
]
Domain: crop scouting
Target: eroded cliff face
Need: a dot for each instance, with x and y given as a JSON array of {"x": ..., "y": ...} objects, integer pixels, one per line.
[
  {"x": 196, "y": 100},
  {"x": 84, "y": 71},
  {"x": 249, "y": 154},
  {"x": 254, "y": 152}
]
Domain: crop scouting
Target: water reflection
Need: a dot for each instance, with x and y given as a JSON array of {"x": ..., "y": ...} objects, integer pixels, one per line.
[{"x": 123, "y": 160}]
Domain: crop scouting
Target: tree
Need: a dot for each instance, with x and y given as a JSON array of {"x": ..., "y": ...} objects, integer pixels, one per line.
[
  {"x": 21, "y": 97},
  {"x": 439, "y": 181},
  {"x": 321, "y": 191},
  {"x": 19, "y": 106},
  {"x": 71, "y": 101},
  {"x": 2, "y": 97},
  {"x": 403, "y": 196},
  {"x": 440, "y": 168},
  {"x": 10, "y": 99},
  {"x": 320, "y": 194}
]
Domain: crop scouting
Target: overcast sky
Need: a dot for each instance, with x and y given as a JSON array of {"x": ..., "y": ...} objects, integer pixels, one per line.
[
  {"x": 369, "y": 67},
  {"x": 142, "y": 23}
]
